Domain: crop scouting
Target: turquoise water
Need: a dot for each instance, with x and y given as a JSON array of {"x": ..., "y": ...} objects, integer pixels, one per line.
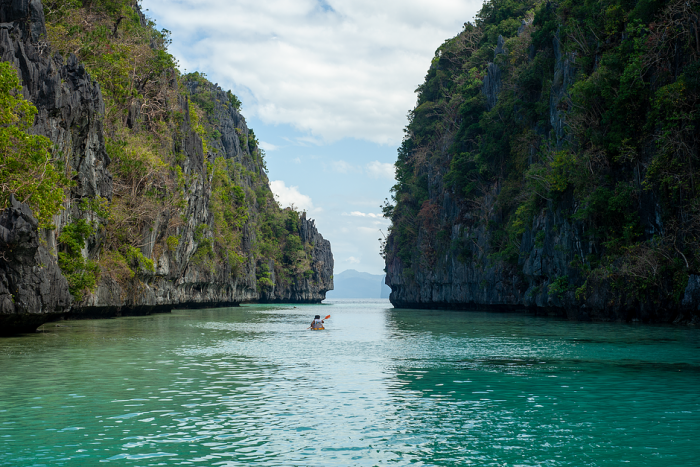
[{"x": 251, "y": 386}]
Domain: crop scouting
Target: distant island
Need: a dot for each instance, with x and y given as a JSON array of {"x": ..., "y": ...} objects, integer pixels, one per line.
[{"x": 356, "y": 284}]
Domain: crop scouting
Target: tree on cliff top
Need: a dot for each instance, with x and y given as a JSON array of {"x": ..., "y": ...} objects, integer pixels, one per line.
[{"x": 27, "y": 168}]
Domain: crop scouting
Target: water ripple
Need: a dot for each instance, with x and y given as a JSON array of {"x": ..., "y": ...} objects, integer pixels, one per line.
[{"x": 233, "y": 387}]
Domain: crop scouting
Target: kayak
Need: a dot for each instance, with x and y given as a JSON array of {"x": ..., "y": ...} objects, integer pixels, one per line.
[{"x": 317, "y": 329}]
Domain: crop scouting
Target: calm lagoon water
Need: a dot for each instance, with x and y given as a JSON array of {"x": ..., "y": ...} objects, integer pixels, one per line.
[{"x": 251, "y": 386}]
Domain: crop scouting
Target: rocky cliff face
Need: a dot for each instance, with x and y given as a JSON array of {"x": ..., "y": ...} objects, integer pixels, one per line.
[
  {"x": 461, "y": 243},
  {"x": 180, "y": 281},
  {"x": 70, "y": 104},
  {"x": 71, "y": 112},
  {"x": 306, "y": 289},
  {"x": 31, "y": 284},
  {"x": 482, "y": 283}
]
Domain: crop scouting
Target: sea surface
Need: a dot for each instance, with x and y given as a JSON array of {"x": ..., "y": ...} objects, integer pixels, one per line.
[{"x": 252, "y": 386}]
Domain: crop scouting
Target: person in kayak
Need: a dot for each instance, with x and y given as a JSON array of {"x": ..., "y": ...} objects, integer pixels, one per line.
[{"x": 317, "y": 323}]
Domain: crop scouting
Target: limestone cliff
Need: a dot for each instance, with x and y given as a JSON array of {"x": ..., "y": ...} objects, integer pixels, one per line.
[
  {"x": 31, "y": 284},
  {"x": 530, "y": 176},
  {"x": 209, "y": 232}
]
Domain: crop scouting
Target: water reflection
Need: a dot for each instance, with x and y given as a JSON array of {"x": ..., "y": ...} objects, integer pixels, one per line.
[
  {"x": 514, "y": 389},
  {"x": 379, "y": 387}
]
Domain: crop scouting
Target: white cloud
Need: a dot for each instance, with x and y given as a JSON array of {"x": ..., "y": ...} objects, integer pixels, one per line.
[
  {"x": 362, "y": 214},
  {"x": 344, "y": 167},
  {"x": 288, "y": 196},
  {"x": 308, "y": 140},
  {"x": 353, "y": 260},
  {"x": 376, "y": 169},
  {"x": 267, "y": 146},
  {"x": 297, "y": 160},
  {"x": 332, "y": 68}
]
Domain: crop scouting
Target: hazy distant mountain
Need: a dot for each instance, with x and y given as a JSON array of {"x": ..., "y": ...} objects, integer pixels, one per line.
[{"x": 355, "y": 284}]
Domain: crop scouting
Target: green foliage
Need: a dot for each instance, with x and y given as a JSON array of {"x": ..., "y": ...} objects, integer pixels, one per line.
[
  {"x": 204, "y": 95},
  {"x": 263, "y": 275},
  {"x": 145, "y": 187},
  {"x": 98, "y": 206},
  {"x": 134, "y": 160},
  {"x": 265, "y": 283},
  {"x": 233, "y": 100},
  {"x": 27, "y": 168},
  {"x": 115, "y": 265},
  {"x": 229, "y": 207},
  {"x": 137, "y": 260},
  {"x": 629, "y": 102},
  {"x": 559, "y": 286},
  {"x": 172, "y": 242},
  {"x": 58, "y": 8},
  {"x": 278, "y": 239},
  {"x": 252, "y": 141},
  {"x": 561, "y": 167},
  {"x": 126, "y": 58},
  {"x": 81, "y": 273},
  {"x": 130, "y": 60},
  {"x": 197, "y": 127},
  {"x": 204, "y": 255},
  {"x": 292, "y": 246},
  {"x": 612, "y": 215},
  {"x": 546, "y": 24},
  {"x": 292, "y": 221}
]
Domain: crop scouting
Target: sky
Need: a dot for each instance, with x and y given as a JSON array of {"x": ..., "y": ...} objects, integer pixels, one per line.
[{"x": 326, "y": 85}]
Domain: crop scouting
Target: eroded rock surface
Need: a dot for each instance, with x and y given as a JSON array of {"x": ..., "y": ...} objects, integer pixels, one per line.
[
  {"x": 547, "y": 279},
  {"x": 70, "y": 112},
  {"x": 31, "y": 284}
]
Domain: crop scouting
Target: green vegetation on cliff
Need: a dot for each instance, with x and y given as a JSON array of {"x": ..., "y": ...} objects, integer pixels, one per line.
[
  {"x": 589, "y": 108},
  {"x": 167, "y": 151},
  {"x": 27, "y": 168}
]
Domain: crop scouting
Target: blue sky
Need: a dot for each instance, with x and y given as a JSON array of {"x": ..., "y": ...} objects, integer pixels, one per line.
[{"x": 326, "y": 85}]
